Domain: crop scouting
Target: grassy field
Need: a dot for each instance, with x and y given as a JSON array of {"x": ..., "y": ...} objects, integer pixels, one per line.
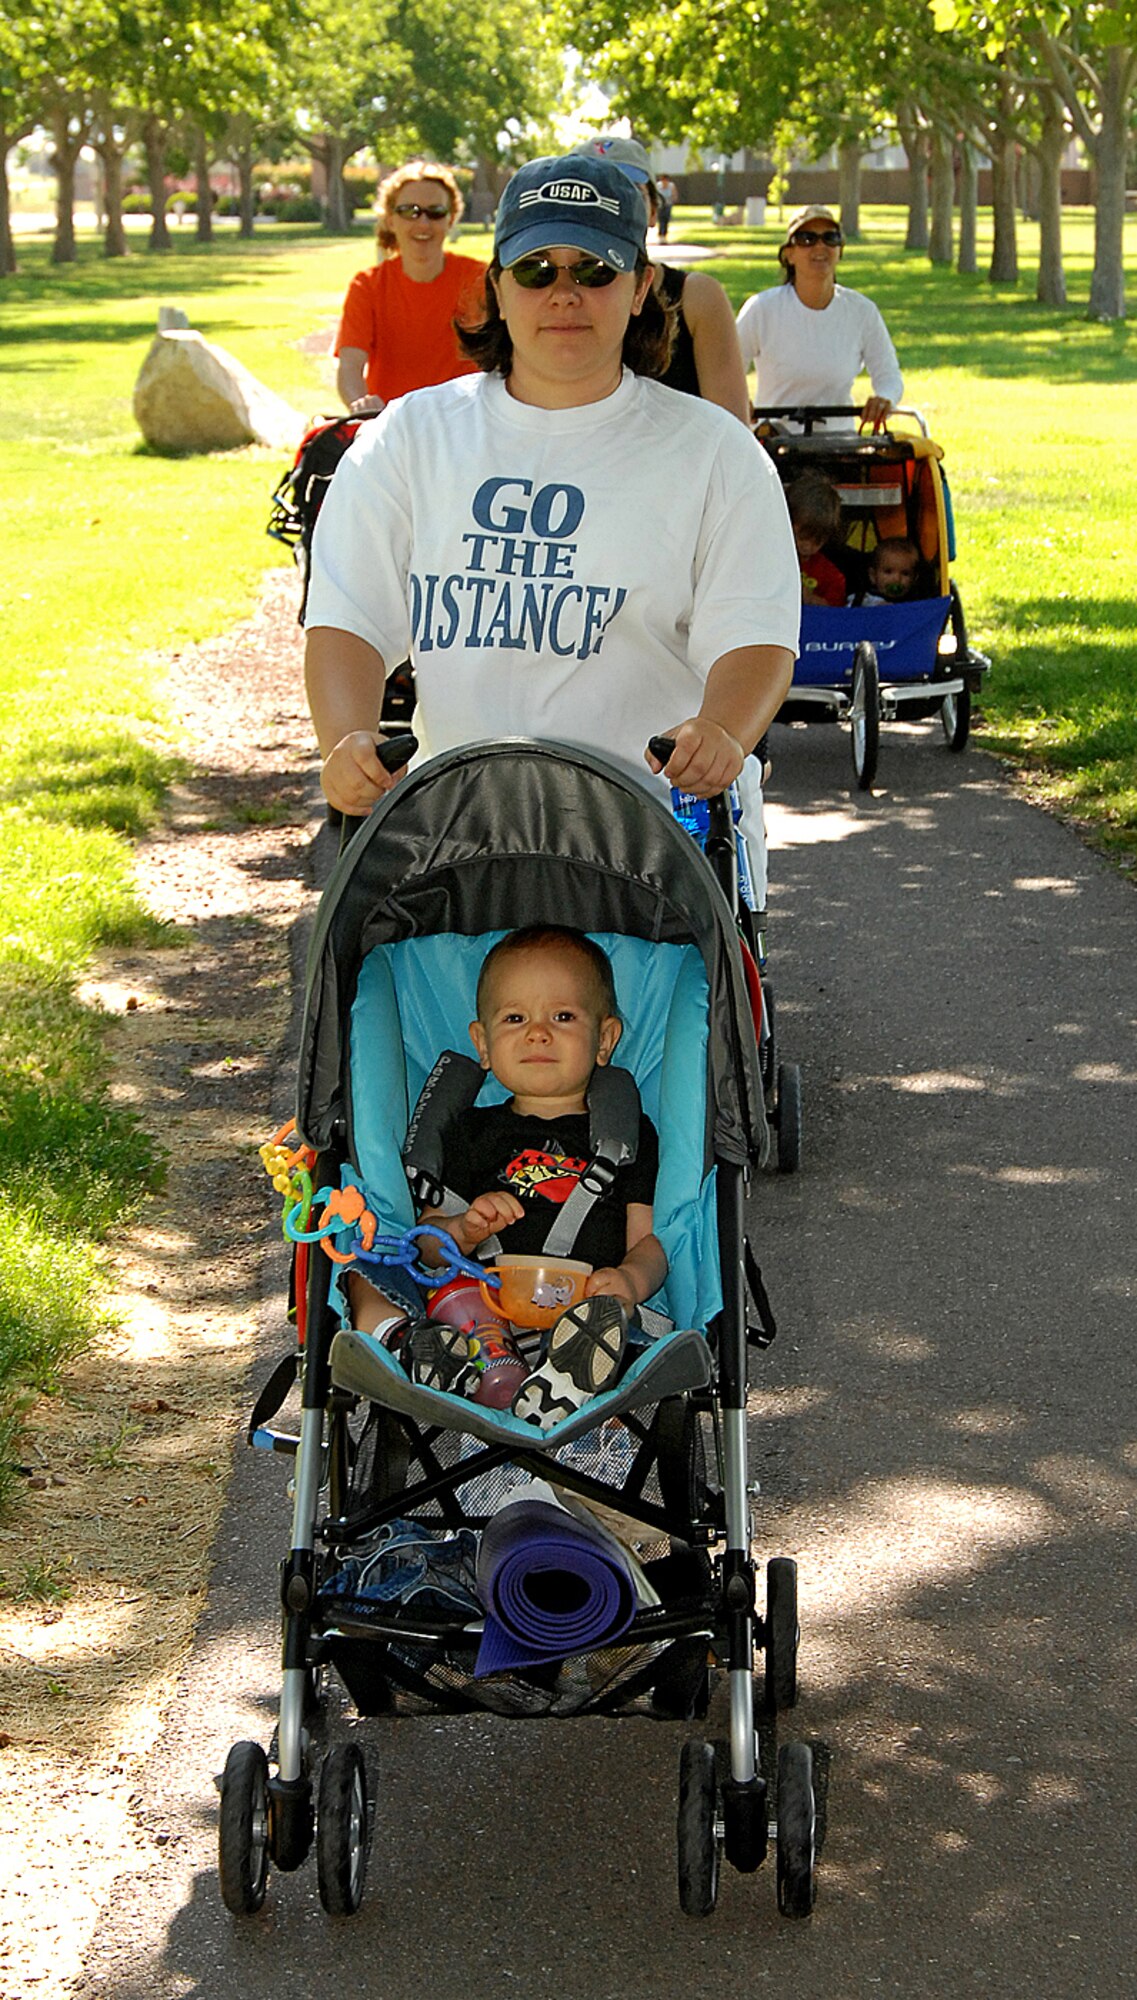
[{"x": 114, "y": 557}]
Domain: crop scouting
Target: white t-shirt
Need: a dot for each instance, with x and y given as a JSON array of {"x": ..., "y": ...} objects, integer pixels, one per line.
[
  {"x": 806, "y": 356},
  {"x": 567, "y": 574}
]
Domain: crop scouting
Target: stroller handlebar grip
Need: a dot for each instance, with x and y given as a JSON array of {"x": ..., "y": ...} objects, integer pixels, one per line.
[
  {"x": 662, "y": 748},
  {"x": 395, "y": 751}
]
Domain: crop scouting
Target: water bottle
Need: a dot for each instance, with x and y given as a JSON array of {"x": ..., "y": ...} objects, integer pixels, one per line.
[{"x": 695, "y": 814}]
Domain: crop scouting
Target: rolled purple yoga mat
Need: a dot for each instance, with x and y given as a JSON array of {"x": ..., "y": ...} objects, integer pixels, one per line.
[{"x": 551, "y": 1585}]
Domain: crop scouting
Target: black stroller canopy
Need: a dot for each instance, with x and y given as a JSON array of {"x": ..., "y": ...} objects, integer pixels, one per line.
[{"x": 496, "y": 835}]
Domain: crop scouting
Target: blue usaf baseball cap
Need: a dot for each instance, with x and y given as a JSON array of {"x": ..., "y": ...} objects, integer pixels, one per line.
[{"x": 579, "y": 203}]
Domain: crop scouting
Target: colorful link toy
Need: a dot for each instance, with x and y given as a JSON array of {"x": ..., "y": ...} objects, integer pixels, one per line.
[{"x": 289, "y": 1167}]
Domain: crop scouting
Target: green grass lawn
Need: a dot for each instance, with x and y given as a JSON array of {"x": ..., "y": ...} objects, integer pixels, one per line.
[{"x": 114, "y": 557}]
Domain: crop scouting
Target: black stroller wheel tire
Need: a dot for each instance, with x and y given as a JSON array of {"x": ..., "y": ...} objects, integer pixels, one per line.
[
  {"x": 797, "y": 1882},
  {"x": 698, "y": 1838},
  {"x": 864, "y": 716},
  {"x": 781, "y": 1633},
  {"x": 242, "y": 1847},
  {"x": 788, "y": 1118},
  {"x": 681, "y": 1466},
  {"x": 955, "y": 719},
  {"x": 768, "y": 1045},
  {"x": 342, "y": 1830}
]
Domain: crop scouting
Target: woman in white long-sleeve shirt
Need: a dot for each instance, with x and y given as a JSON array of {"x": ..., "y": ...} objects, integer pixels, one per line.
[{"x": 809, "y": 337}]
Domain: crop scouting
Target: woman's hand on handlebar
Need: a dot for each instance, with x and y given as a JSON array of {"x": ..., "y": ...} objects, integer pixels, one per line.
[
  {"x": 874, "y": 412},
  {"x": 706, "y": 758},
  {"x": 355, "y": 777}
]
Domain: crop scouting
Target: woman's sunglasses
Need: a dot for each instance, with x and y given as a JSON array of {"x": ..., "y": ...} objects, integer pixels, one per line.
[
  {"x": 832, "y": 238},
  {"x": 411, "y": 210},
  {"x": 536, "y": 274}
]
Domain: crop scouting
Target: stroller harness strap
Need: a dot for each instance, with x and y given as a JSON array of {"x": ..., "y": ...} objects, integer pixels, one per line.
[{"x": 453, "y": 1086}]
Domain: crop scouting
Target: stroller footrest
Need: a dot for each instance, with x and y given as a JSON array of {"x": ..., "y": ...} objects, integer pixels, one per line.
[{"x": 671, "y": 1366}]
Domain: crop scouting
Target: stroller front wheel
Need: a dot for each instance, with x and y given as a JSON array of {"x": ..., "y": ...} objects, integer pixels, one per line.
[
  {"x": 341, "y": 1830},
  {"x": 797, "y": 1882},
  {"x": 698, "y": 1834},
  {"x": 243, "y": 1833}
]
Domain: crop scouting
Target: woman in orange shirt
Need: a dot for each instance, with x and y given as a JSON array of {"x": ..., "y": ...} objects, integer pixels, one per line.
[{"x": 396, "y": 330}]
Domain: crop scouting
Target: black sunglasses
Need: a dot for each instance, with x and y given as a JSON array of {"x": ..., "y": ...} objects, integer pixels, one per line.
[
  {"x": 808, "y": 237},
  {"x": 536, "y": 274},
  {"x": 411, "y": 210}
]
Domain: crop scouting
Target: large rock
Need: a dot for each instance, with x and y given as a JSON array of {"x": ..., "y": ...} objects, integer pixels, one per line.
[{"x": 192, "y": 396}]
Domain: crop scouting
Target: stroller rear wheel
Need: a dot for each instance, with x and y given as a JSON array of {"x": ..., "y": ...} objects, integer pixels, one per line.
[
  {"x": 243, "y": 1836},
  {"x": 788, "y": 1118},
  {"x": 781, "y": 1641},
  {"x": 698, "y": 1833},
  {"x": 341, "y": 1830},
  {"x": 797, "y": 1884}
]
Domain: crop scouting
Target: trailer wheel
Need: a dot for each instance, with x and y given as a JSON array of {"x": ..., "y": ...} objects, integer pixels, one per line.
[
  {"x": 864, "y": 715},
  {"x": 955, "y": 718}
]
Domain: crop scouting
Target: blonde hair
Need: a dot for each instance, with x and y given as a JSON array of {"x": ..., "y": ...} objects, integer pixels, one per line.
[{"x": 390, "y": 189}]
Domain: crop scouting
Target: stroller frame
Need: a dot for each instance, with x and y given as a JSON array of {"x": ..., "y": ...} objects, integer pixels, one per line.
[{"x": 271, "y": 1816}]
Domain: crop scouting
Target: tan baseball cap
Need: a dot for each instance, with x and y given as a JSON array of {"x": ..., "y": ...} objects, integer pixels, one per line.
[{"x": 815, "y": 212}]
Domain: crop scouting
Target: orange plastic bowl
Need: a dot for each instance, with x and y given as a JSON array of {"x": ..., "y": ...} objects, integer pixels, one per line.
[{"x": 535, "y": 1291}]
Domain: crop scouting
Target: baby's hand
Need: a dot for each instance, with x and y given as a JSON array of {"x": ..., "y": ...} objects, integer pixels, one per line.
[
  {"x": 614, "y": 1284},
  {"x": 485, "y": 1217}
]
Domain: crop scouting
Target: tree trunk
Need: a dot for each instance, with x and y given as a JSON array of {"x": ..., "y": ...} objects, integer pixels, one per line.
[
  {"x": 1004, "y": 266},
  {"x": 1051, "y": 289},
  {"x": 244, "y": 160},
  {"x": 199, "y": 149},
  {"x": 154, "y": 141},
  {"x": 66, "y": 146},
  {"x": 8, "y": 265},
  {"x": 336, "y": 153},
  {"x": 114, "y": 241},
  {"x": 1107, "y": 286},
  {"x": 968, "y": 260},
  {"x": 943, "y": 197},
  {"x": 849, "y": 187},
  {"x": 915, "y": 142},
  {"x": 109, "y": 150}
]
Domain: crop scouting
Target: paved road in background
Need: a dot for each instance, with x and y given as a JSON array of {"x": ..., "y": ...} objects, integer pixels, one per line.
[{"x": 945, "y": 1436}]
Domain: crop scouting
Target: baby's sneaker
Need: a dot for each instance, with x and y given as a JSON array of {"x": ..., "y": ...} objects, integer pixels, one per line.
[
  {"x": 584, "y": 1355},
  {"x": 438, "y": 1357},
  {"x": 500, "y": 1368}
]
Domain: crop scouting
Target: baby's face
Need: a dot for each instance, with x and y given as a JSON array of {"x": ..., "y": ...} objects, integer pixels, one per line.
[
  {"x": 806, "y": 544},
  {"x": 542, "y": 1032},
  {"x": 893, "y": 572}
]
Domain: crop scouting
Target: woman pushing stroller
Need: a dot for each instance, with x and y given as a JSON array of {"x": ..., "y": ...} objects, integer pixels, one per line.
[{"x": 567, "y": 549}]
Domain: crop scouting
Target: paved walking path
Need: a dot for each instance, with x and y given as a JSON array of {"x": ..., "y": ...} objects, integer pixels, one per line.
[{"x": 944, "y": 1435}]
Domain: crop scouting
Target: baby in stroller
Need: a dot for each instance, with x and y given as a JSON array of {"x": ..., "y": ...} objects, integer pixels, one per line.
[{"x": 546, "y": 1021}]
